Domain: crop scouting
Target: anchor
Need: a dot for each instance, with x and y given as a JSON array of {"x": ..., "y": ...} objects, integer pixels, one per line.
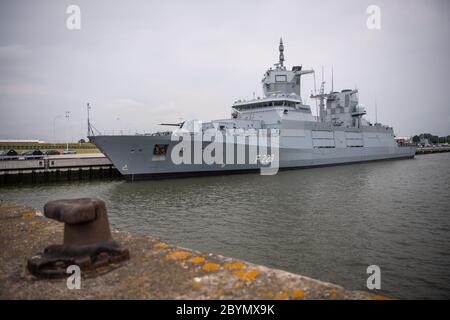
[{"x": 87, "y": 239}]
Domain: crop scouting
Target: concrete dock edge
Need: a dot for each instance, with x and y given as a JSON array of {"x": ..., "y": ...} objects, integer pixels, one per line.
[{"x": 156, "y": 270}]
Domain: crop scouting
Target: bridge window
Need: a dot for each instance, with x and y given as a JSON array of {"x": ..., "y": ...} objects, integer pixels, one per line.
[{"x": 280, "y": 78}]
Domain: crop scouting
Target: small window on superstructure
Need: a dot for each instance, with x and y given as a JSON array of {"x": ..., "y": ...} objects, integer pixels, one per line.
[{"x": 280, "y": 78}]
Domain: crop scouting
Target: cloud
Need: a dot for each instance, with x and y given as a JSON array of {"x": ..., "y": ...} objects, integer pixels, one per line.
[
  {"x": 13, "y": 52},
  {"x": 125, "y": 103},
  {"x": 24, "y": 89},
  {"x": 150, "y": 62}
]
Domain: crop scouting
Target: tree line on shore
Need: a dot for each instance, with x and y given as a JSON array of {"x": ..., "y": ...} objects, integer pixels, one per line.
[{"x": 431, "y": 138}]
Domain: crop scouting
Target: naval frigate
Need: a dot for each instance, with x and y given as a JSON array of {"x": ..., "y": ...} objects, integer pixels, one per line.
[{"x": 274, "y": 131}]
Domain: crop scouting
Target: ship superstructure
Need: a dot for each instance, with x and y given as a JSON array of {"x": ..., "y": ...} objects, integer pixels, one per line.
[{"x": 338, "y": 134}]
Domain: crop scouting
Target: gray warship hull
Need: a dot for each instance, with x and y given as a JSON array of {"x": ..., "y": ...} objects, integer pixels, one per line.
[{"x": 133, "y": 157}]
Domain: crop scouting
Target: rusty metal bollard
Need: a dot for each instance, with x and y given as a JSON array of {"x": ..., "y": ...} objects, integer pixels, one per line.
[{"x": 87, "y": 239}]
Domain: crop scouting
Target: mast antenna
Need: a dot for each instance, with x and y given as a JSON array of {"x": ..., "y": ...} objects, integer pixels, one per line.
[
  {"x": 322, "y": 74},
  {"x": 281, "y": 49},
  {"x": 332, "y": 80},
  {"x": 321, "y": 96},
  {"x": 315, "y": 93},
  {"x": 315, "y": 88},
  {"x": 376, "y": 112},
  {"x": 89, "y": 130}
]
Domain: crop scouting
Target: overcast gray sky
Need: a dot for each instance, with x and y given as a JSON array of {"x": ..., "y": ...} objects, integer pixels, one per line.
[{"x": 143, "y": 62}]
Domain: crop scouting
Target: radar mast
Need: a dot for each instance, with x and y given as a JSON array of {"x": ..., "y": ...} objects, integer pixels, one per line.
[{"x": 281, "y": 49}]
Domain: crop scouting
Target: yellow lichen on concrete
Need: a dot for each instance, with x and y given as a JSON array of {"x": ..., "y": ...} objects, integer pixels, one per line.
[
  {"x": 378, "y": 297},
  {"x": 178, "y": 255},
  {"x": 235, "y": 265},
  {"x": 161, "y": 245},
  {"x": 247, "y": 276},
  {"x": 281, "y": 296},
  {"x": 238, "y": 285},
  {"x": 196, "y": 285},
  {"x": 297, "y": 294},
  {"x": 211, "y": 267},
  {"x": 333, "y": 292},
  {"x": 197, "y": 260},
  {"x": 29, "y": 213}
]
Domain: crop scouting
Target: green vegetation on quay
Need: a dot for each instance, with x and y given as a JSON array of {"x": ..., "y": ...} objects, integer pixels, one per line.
[
  {"x": 431, "y": 138},
  {"x": 80, "y": 146}
]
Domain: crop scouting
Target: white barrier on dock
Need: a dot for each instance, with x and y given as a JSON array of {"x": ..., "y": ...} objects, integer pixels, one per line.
[{"x": 57, "y": 162}]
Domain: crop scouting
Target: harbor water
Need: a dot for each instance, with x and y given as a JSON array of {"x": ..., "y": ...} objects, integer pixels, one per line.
[{"x": 327, "y": 223}]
